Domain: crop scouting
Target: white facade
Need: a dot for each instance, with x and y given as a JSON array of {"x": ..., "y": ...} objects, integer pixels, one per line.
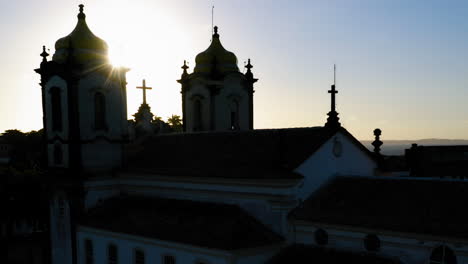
[
  {"x": 155, "y": 250},
  {"x": 269, "y": 201},
  {"x": 338, "y": 156},
  {"x": 409, "y": 248},
  {"x": 223, "y": 110}
]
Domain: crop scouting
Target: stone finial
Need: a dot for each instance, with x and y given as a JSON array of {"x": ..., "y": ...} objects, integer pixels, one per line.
[
  {"x": 184, "y": 68},
  {"x": 215, "y": 31},
  {"x": 377, "y": 142},
  {"x": 81, "y": 15},
  {"x": 44, "y": 54}
]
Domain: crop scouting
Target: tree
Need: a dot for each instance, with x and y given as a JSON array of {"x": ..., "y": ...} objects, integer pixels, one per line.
[
  {"x": 175, "y": 122},
  {"x": 26, "y": 148}
]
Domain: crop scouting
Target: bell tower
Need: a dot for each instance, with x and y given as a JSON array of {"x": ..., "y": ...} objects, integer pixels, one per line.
[
  {"x": 217, "y": 96},
  {"x": 84, "y": 103}
]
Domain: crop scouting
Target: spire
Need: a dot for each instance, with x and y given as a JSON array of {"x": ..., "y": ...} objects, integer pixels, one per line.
[
  {"x": 333, "y": 119},
  {"x": 184, "y": 68},
  {"x": 81, "y": 15},
  {"x": 377, "y": 142},
  {"x": 44, "y": 54},
  {"x": 249, "y": 74}
]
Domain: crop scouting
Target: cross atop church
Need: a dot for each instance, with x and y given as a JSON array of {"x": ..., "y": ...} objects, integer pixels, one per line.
[
  {"x": 144, "y": 88},
  {"x": 333, "y": 118},
  {"x": 333, "y": 90}
]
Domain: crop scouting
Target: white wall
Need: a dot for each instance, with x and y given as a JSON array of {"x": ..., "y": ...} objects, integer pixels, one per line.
[
  {"x": 409, "y": 249},
  {"x": 197, "y": 91},
  {"x": 324, "y": 165},
  {"x": 232, "y": 90},
  {"x": 101, "y": 154},
  {"x": 269, "y": 204}
]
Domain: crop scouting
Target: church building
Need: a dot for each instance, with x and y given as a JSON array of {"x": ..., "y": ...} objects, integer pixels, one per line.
[{"x": 221, "y": 191}]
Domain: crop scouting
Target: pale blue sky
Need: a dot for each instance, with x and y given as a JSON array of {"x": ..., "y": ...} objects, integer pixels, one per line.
[{"x": 402, "y": 65}]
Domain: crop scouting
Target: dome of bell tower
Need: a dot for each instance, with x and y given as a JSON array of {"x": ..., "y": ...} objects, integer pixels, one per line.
[
  {"x": 84, "y": 46},
  {"x": 216, "y": 58}
]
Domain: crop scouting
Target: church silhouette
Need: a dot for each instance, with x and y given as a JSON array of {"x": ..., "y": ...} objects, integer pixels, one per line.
[{"x": 222, "y": 191}]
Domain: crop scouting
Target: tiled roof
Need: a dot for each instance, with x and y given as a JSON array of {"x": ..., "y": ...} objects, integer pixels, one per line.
[
  {"x": 203, "y": 224},
  {"x": 428, "y": 207},
  {"x": 268, "y": 153},
  {"x": 309, "y": 254}
]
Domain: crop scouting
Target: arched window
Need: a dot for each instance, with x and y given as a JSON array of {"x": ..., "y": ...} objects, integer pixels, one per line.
[
  {"x": 99, "y": 111},
  {"x": 197, "y": 115},
  {"x": 89, "y": 254},
  {"x": 56, "y": 109},
  {"x": 234, "y": 115},
  {"x": 139, "y": 257},
  {"x": 112, "y": 254},
  {"x": 321, "y": 237},
  {"x": 443, "y": 255},
  {"x": 58, "y": 155}
]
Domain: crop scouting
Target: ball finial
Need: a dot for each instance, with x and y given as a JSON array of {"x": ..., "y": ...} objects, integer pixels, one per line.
[{"x": 377, "y": 132}]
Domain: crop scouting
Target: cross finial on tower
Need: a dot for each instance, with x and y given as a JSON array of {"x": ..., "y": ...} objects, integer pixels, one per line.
[
  {"x": 332, "y": 120},
  {"x": 144, "y": 88}
]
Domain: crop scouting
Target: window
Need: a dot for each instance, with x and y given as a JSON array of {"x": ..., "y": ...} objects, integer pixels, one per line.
[
  {"x": 169, "y": 259},
  {"x": 372, "y": 243},
  {"x": 234, "y": 115},
  {"x": 112, "y": 254},
  {"x": 197, "y": 115},
  {"x": 321, "y": 237},
  {"x": 139, "y": 256},
  {"x": 99, "y": 111},
  {"x": 443, "y": 255},
  {"x": 89, "y": 255},
  {"x": 58, "y": 155},
  {"x": 56, "y": 109},
  {"x": 61, "y": 207}
]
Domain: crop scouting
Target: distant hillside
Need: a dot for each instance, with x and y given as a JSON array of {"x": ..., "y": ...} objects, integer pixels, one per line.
[{"x": 397, "y": 147}]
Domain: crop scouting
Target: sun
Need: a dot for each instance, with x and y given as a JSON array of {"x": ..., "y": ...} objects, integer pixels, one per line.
[{"x": 148, "y": 41}]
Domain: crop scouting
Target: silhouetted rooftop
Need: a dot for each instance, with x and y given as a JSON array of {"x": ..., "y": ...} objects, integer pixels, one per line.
[
  {"x": 266, "y": 153},
  {"x": 211, "y": 225},
  {"x": 438, "y": 161},
  {"x": 422, "y": 206}
]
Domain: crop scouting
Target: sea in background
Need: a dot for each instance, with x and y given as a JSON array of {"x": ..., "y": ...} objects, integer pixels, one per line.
[{"x": 397, "y": 147}]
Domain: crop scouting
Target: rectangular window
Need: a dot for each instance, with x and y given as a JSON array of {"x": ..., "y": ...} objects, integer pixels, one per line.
[
  {"x": 139, "y": 257},
  {"x": 89, "y": 254},
  {"x": 112, "y": 254},
  {"x": 169, "y": 259}
]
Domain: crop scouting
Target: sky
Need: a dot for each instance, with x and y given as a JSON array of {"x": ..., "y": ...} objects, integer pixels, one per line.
[{"x": 402, "y": 66}]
